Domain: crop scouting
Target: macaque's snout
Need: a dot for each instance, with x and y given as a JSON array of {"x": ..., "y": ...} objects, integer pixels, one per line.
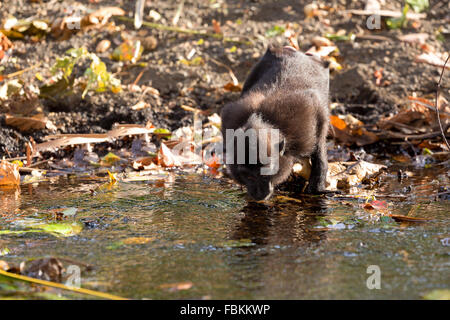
[{"x": 260, "y": 191}]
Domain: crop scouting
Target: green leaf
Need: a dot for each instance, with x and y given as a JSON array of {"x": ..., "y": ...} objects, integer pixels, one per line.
[
  {"x": 398, "y": 23},
  {"x": 64, "y": 229},
  {"x": 275, "y": 31},
  {"x": 418, "y": 5}
]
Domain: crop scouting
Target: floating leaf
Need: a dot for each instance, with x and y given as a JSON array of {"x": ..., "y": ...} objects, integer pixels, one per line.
[
  {"x": 438, "y": 294},
  {"x": 56, "y": 229},
  {"x": 9, "y": 174},
  {"x": 137, "y": 240},
  {"x": 177, "y": 286},
  {"x": 111, "y": 158},
  {"x": 237, "y": 243}
]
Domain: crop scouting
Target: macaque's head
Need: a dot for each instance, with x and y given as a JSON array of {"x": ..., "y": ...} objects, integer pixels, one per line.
[{"x": 258, "y": 158}]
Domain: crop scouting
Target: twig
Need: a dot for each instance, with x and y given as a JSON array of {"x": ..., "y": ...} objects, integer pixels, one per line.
[
  {"x": 186, "y": 31},
  {"x": 178, "y": 13},
  {"x": 17, "y": 73},
  {"x": 373, "y": 37},
  {"x": 233, "y": 77},
  {"x": 438, "y": 91},
  {"x": 61, "y": 286},
  {"x": 390, "y": 134},
  {"x": 28, "y": 169}
]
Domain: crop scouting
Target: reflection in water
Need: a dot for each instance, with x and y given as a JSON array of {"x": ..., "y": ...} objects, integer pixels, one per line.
[
  {"x": 280, "y": 223},
  {"x": 139, "y": 235},
  {"x": 9, "y": 203}
]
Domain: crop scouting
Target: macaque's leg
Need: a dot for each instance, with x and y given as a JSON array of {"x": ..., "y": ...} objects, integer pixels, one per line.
[
  {"x": 319, "y": 160},
  {"x": 319, "y": 168}
]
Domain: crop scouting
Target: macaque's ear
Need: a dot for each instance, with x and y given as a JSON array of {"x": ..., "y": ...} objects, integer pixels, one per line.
[{"x": 282, "y": 146}]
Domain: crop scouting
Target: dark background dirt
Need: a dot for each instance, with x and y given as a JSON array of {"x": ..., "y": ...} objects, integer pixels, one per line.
[{"x": 353, "y": 88}]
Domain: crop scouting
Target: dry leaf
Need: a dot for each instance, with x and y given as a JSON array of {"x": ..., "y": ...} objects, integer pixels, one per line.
[
  {"x": 322, "y": 42},
  {"x": 5, "y": 43},
  {"x": 346, "y": 174},
  {"x": 350, "y": 130},
  {"x": 138, "y": 240},
  {"x": 401, "y": 218},
  {"x": 9, "y": 174},
  {"x": 230, "y": 86},
  {"x": 322, "y": 51},
  {"x": 103, "y": 46},
  {"x": 216, "y": 26},
  {"x": 24, "y": 124},
  {"x": 177, "y": 286},
  {"x": 140, "y": 105},
  {"x": 432, "y": 59},
  {"x": 166, "y": 158},
  {"x": 414, "y": 38}
]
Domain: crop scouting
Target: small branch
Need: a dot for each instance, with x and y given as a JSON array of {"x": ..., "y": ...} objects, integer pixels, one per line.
[
  {"x": 438, "y": 91},
  {"x": 390, "y": 134},
  {"x": 186, "y": 31},
  {"x": 18, "y": 73}
]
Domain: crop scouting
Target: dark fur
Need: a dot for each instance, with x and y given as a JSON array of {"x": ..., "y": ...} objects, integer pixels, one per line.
[{"x": 288, "y": 90}]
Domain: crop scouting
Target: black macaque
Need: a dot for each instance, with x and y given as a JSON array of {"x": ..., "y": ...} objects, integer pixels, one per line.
[{"x": 286, "y": 90}]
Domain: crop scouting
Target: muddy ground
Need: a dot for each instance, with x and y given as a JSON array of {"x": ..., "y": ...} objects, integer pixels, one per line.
[{"x": 353, "y": 88}]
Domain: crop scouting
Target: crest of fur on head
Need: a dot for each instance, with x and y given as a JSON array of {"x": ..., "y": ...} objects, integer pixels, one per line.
[{"x": 270, "y": 140}]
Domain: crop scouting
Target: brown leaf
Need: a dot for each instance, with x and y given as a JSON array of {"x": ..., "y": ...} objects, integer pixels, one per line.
[
  {"x": 432, "y": 59},
  {"x": 322, "y": 51},
  {"x": 166, "y": 158},
  {"x": 401, "y": 218},
  {"x": 177, "y": 286},
  {"x": 9, "y": 173},
  {"x": 346, "y": 174},
  {"x": 216, "y": 26},
  {"x": 230, "y": 86},
  {"x": 5, "y": 44},
  {"x": 24, "y": 124},
  {"x": 414, "y": 37},
  {"x": 351, "y": 131},
  {"x": 322, "y": 42}
]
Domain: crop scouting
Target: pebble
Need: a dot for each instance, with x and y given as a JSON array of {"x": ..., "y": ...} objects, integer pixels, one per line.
[{"x": 103, "y": 46}]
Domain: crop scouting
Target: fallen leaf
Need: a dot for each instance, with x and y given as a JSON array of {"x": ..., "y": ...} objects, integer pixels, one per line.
[
  {"x": 230, "y": 86},
  {"x": 5, "y": 43},
  {"x": 128, "y": 51},
  {"x": 414, "y": 37},
  {"x": 402, "y": 218},
  {"x": 9, "y": 174},
  {"x": 103, "y": 46},
  {"x": 322, "y": 51},
  {"x": 177, "y": 286},
  {"x": 137, "y": 240},
  {"x": 216, "y": 26},
  {"x": 351, "y": 131},
  {"x": 166, "y": 158},
  {"x": 24, "y": 124},
  {"x": 140, "y": 105},
  {"x": 322, "y": 42},
  {"x": 432, "y": 59}
]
